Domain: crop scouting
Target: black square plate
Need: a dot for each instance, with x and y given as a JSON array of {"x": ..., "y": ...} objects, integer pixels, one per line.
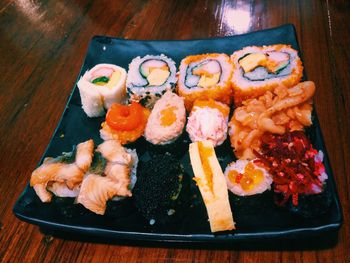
[{"x": 257, "y": 217}]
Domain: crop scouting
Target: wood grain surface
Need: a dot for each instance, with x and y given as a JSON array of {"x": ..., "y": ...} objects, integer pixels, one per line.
[{"x": 42, "y": 47}]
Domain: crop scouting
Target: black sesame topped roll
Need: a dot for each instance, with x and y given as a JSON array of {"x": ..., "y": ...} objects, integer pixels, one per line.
[{"x": 149, "y": 78}]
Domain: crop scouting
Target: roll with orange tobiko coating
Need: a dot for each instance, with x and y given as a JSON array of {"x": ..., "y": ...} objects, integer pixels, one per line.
[
  {"x": 260, "y": 69},
  {"x": 205, "y": 76}
]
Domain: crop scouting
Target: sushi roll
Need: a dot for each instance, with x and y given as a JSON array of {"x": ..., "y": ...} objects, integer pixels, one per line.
[
  {"x": 245, "y": 178},
  {"x": 258, "y": 69},
  {"x": 205, "y": 76},
  {"x": 149, "y": 78},
  {"x": 112, "y": 176},
  {"x": 125, "y": 123},
  {"x": 100, "y": 87},
  {"x": 160, "y": 189},
  {"x": 208, "y": 120},
  {"x": 167, "y": 119},
  {"x": 296, "y": 166},
  {"x": 62, "y": 175}
]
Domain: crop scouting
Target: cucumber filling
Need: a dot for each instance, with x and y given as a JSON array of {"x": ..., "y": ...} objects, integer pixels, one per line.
[
  {"x": 100, "y": 80},
  {"x": 154, "y": 72}
]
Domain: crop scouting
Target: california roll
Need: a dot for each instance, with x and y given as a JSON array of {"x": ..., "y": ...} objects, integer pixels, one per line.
[
  {"x": 205, "y": 76},
  {"x": 259, "y": 69},
  {"x": 149, "y": 77}
]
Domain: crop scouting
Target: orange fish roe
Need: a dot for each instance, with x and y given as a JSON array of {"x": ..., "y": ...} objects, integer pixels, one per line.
[
  {"x": 168, "y": 116},
  {"x": 195, "y": 58},
  {"x": 248, "y": 179},
  {"x": 223, "y": 108}
]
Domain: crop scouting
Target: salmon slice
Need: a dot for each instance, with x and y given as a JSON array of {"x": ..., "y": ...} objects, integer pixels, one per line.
[
  {"x": 120, "y": 174},
  {"x": 44, "y": 195},
  {"x": 44, "y": 173},
  {"x": 114, "y": 152},
  {"x": 84, "y": 155},
  {"x": 95, "y": 191},
  {"x": 63, "y": 179}
]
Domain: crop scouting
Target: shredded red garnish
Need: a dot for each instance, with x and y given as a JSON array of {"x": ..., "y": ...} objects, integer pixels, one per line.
[
  {"x": 291, "y": 161},
  {"x": 238, "y": 178}
]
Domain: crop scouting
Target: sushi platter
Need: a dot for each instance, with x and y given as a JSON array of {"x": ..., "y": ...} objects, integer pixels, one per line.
[{"x": 206, "y": 140}]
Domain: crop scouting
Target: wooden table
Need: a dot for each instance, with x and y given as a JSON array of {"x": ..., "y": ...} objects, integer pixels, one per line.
[{"x": 42, "y": 47}]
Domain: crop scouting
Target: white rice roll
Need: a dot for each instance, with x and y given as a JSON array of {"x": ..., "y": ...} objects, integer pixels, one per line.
[
  {"x": 245, "y": 178},
  {"x": 100, "y": 87},
  {"x": 149, "y": 78},
  {"x": 167, "y": 119}
]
